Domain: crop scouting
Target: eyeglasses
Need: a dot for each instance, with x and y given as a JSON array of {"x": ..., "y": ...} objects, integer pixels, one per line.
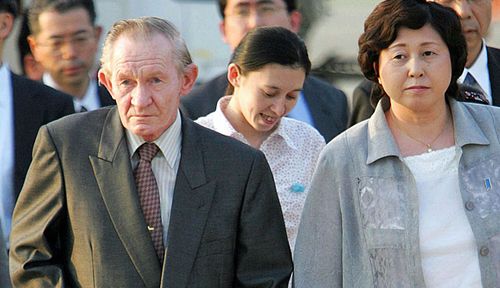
[
  {"x": 266, "y": 10},
  {"x": 78, "y": 42}
]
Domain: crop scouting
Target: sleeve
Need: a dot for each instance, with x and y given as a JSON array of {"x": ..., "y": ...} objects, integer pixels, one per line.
[
  {"x": 361, "y": 107},
  {"x": 263, "y": 255},
  {"x": 318, "y": 248},
  {"x": 35, "y": 256}
]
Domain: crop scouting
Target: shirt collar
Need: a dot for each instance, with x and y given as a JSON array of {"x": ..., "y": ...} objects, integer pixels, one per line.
[
  {"x": 223, "y": 126},
  {"x": 381, "y": 142},
  {"x": 90, "y": 100},
  {"x": 169, "y": 142}
]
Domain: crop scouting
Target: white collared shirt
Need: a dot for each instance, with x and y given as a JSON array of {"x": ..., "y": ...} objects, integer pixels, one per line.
[
  {"x": 7, "y": 155},
  {"x": 90, "y": 100},
  {"x": 292, "y": 151},
  {"x": 480, "y": 72},
  {"x": 165, "y": 165}
]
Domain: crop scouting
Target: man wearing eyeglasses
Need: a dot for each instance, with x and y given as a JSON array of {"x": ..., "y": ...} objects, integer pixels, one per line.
[
  {"x": 64, "y": 40},
  {"x": 321, "y": 105}
]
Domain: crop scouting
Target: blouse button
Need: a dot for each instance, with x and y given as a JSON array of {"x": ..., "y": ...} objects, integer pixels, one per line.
[
  {"x": 484, "y": 251},
  {"x": 469, "y": 205}
]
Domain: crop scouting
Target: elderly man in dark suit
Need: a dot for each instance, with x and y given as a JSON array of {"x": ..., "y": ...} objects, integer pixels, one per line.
[
  {"x": 139, "y": 196},
  {"x": 321, "y": 105},
  {"x": 25, "y": 105}
]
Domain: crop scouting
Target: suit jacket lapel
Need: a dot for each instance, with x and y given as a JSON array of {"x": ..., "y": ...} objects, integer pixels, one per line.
[
  {"x": 114, "y": 176},
  {"x": 494, "y": 71},
  {"x": 191, "y": 204}
]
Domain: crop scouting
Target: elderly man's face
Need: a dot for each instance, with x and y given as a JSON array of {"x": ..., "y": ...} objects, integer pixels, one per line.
[
  {"x": 475, "y": 16},
  {"x": 146, "y": 83},
  {"x": 241, "y": 16}
]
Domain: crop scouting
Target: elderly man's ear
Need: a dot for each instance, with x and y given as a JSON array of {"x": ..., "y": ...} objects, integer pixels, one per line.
[{"x": 189, "y": 78}]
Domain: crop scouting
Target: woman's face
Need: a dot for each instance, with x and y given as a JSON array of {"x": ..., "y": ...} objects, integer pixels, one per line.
[
  {"x": 415, "y": 70},
  {"x": 266, "y": 95}
]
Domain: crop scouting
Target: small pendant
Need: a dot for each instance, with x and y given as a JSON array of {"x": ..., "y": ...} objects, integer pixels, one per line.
[{"x": 429, "y": 148}]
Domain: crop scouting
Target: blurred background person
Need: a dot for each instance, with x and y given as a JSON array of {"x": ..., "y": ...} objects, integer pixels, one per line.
[
  {"x": 266, "y": 74},
  {"x": 321, "y": 105},
  {"x": 25, "y": 105},
  {"x": 407, "y": 198},
  {"x": 64, "y": 41},
  {"x": 482, "y": 69},
  {"x": 30, "y": 68}
]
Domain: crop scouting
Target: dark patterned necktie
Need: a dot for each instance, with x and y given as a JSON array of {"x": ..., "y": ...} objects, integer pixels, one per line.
[
  {"x": 471, "y": 81},
  {"x": 83, "y": 109},
  {"x": 149, "y": 195}
]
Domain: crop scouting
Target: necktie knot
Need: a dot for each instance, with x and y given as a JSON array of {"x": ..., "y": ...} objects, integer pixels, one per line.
[{"x": 148, "y": 151}]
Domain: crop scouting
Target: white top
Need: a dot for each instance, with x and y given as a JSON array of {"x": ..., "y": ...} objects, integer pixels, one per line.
[
  {"x": 292, "y": 151},
  {"x": 7, "y": 152},
  {"x": 479, "y": 70},
  {"x": 90, "y": 100},
  {"x": 447, "y": 245},
  {"x": 165, "y": 165}
]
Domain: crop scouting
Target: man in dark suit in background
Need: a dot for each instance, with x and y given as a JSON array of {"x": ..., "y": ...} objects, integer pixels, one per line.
[
  {"x": 483, "y": 62},
  {"x": 321, "y": 105},
  {"x": 64, "y": 41},
  {"x": 210, "y": 201},
  {"x": 25, "y": 105}
]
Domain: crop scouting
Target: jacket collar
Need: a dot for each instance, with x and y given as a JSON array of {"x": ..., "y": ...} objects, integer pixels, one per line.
[{"x": 381, "y": 142}]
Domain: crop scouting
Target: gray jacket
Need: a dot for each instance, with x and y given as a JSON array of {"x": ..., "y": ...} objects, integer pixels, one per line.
[{"x": 359, "y": 226}]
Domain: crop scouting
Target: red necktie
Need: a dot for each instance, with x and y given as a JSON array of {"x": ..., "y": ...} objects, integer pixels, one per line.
[{"x": 149, "y": 195}]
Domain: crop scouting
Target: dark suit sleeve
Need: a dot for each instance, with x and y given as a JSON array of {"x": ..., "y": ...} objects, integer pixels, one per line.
[
  {"x": 264, "y": 257},
  {"x": 35, "y": 254},
  {"x": 361, "y": 107}
]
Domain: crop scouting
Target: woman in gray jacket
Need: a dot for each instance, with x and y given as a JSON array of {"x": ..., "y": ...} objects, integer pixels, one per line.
[{"x": 410, "y": 197}]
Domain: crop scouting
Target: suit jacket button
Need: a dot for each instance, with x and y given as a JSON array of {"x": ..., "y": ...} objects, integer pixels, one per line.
[
  {"x": 484, "y": 251},
  {"x": 469, "y": 205}
]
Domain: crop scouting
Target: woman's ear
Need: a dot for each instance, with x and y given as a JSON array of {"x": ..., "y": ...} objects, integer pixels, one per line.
[{"x": 233, "y": 74}]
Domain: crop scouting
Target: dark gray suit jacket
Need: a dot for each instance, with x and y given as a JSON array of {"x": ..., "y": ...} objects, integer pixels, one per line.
[
  {"x": 327, "y": 104},
  {"x": 78, "y": 221}
]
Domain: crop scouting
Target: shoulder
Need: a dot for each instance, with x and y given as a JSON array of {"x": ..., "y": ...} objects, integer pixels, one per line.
[
  {"x": 203, "y": 97},
  {"x": 21, "y": 83},
  {"x": 207, "y": 121},
  {"x": 87, "y": 123},
  {"x": 494, "y": 52},
  {"x": 318, "y": 86},
  {"x": 301, "y": 131},
  {"x": 218, "y": 144}
]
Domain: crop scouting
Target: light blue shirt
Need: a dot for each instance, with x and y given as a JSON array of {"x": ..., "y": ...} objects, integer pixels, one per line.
[
  {"x": 301, "y": 111},
  {"x": 7, "y": 155}
]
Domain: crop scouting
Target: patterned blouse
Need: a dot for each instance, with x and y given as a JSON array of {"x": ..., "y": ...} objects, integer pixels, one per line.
[{"x": 291, "y": 150}]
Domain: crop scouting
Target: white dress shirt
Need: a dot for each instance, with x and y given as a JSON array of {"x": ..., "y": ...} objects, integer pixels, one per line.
[
  {"x": 90, "y": 100},
  {"x": 7, "y": 152},
  {"x": 165, "y": 165},
  {"x": 292, "y": 151},
  {"x": 480, "y": 72}
]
